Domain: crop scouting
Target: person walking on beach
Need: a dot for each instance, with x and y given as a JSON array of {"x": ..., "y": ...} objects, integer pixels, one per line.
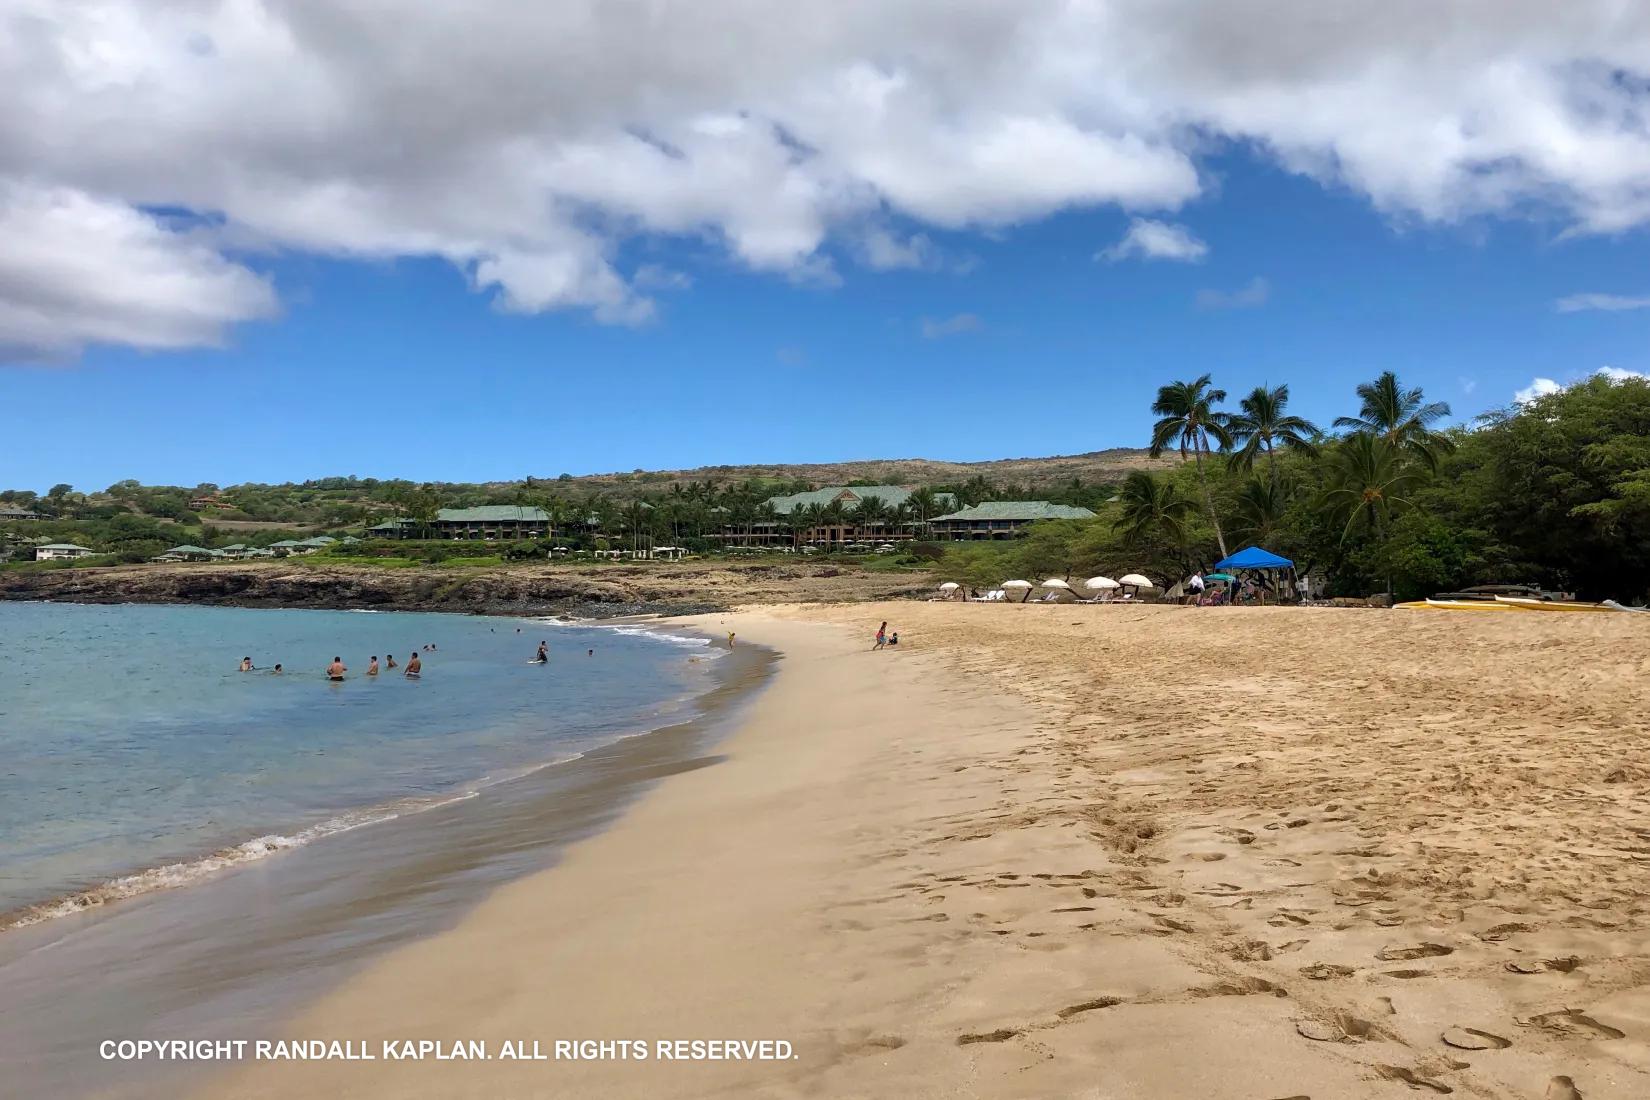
[
  {"x": 882, "y": 636},
  {"x": 372, "y": 666},
  {"x": 415, "y": 667},
  {"x": 336, "y": 670},
  {"x": 730, "y": 639},
  {"x": 1194, "y": 589}
]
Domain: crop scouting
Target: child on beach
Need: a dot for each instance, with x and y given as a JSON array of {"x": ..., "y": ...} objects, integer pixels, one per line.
[
  {"x": 882, "y": 636},
  {"x": 894, "y": 638}
]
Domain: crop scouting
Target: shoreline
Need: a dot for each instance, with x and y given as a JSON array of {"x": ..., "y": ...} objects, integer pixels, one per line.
[
  {"x": 1012, "y": 861},
  {"x": 617, "y": 590},
  {"x": 345, "y": 899}
]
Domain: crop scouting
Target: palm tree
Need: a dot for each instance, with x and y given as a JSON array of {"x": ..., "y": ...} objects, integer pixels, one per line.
[
  {"x": 1152, "y": 506},
  {"x": 1264, "y": 424},
  {"x": 834, "y": 515},
  {"x": 1369, "y": 481},
  {"x": 873, "y": 511},
  {"x": 1401, "y": 419},
  {"x": 1188, "y": 421},
  {"x": 924, "y": 505},
  {"x": 1262, "y": 504}
]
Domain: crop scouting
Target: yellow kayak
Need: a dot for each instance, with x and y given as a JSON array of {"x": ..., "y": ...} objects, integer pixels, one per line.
[
  {"x": 1470, "y": 605},
  {"x": 1524, "y": 604}
]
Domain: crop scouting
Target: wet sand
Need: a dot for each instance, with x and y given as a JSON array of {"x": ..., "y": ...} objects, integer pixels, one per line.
[{"x": 1100, "y": 851}]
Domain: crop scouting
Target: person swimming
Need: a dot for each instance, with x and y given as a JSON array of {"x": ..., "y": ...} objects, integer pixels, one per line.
[
  {"x": 372, "y": 667},
  {"x": 276, "y": 671},
  {"x": 590, "y": 653},
  {"x": 246, "y": 664},
  {"x": 389, "y": 661},
  {"x": 336, "y": 670},
  {"x": 543, "y": 657},
  {"x": 414, "y": 667}
]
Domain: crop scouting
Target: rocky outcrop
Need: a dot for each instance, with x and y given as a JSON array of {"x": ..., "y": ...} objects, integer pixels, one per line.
[{"x": 656, "y": 588}]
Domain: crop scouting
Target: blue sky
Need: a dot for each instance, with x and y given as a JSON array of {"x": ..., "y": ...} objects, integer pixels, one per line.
[
  {"x": 400, "y": 369},
  {"x": 486, "y": 239}
]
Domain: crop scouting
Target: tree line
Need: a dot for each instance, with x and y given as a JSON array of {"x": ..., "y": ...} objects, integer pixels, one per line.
[{"x": 1554, "y": 492}]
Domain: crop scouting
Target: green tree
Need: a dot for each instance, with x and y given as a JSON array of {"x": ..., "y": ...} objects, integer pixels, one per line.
[
  {"x": 1262, "y": 505},
  {"x": 1188, "y": 421},
  {"x": 1151, "y": 506},
  {"x": 1263, "y": 423},
  {"x": 1370, "y": 481},
  {"x": 1401, "y": 419}
]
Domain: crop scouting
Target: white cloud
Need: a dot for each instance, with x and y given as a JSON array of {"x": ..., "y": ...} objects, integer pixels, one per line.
[
  {"x": 529, "y": 144},
  {"x": 1256, "y": 292},
  {"x": 78, "y": 270},
  {"x": 950, "y": 326},
  {"x": 1156, "y": 240},
  {"x": 1618, "y": 374},
  {"x": 1538, "y": 387},
  {"x": 1576, "y": 303},
  {"x": 1467, "y": 384}
]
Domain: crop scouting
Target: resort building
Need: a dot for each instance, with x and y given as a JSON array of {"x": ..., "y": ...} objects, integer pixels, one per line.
[
  {"x": 189, "y": 553},
  {"x": 1001, "y": 519},
  {"x": 490, "y": 521},
  {"x": 777, "y": 528},
  {"x": 10, "y": 512},
  {"x": 61, "y": 551}
]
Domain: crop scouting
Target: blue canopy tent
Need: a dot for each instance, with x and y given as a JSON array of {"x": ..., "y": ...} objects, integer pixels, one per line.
[{"x": 1253, "y": 557}]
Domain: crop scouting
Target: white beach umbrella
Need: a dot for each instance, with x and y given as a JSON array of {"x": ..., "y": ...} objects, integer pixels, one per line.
[
  {"x": 1137, "y": 581},
  {"x": 950, "y": 586},
  {"x": 1019, "y": 584},
  {"x": 1056, "y": 582},
  {"x": 1100, "y": 583}
]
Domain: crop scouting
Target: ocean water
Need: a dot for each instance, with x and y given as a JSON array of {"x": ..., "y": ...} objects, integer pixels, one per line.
[{"x": 135, "y": 757}]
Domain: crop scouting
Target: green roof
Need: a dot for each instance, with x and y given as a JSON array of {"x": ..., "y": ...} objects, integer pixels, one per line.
[
  {"x": 63, "y": 546},
  {"x": 236, "y": 546},
  {"x": 285, "y": 542},
  {"x": 192, "y": 550},
  {"x": 318, "y": 540},
  {"x": 1016, "y": 510},
  {"x": 850, "y": 495},
  {"x": 493, "y": 513}
]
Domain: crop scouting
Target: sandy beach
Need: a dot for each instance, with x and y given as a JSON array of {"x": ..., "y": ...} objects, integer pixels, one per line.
[{"x": 1087, "y": 851}]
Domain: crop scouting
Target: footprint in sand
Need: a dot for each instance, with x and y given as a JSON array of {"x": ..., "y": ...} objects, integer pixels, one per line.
[
  {"x": 1569, "y": 1021},
  {"x": 1412, "y": 1079},
  {"x": 1088, "y": 1006},
  {"x": 1470, "y": 1038},
  {"x": 1321, "y": 972},
  {"x": 1002, "y": 1034},
  {"x": 1540, "y": 966},
  {"x": 1414, "y": 951},
  {"x": 1563, "y": 1088},
  {"x": 1502, "y": 931}
]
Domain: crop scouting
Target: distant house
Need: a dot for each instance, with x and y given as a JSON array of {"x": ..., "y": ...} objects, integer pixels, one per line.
[
  {"x": 1001, "y": 519},
  {"x": 290, "y": 546},
  {"x": 61, "y": 551},
  {"x": 189, "y": 553},
  {"x": 9, "y": 512},
  {"x": 490, "y": 521},
  {"x": 776, "y": 530},
  {"x": 207, "y": 502}
]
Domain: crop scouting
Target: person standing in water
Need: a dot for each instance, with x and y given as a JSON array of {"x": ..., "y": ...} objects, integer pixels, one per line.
[
  {"x": 336, "y": 670},
  {"x": 246, "y": 664},
  {"x": 543, "y": 657},
  {"x": 372, "y": 666},
  {"x": 389, "y": 662},
  {"x": 414, "y": 667}
]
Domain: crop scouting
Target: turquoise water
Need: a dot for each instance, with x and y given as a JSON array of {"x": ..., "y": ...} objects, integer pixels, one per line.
[{"x": 134, "y": 756}]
